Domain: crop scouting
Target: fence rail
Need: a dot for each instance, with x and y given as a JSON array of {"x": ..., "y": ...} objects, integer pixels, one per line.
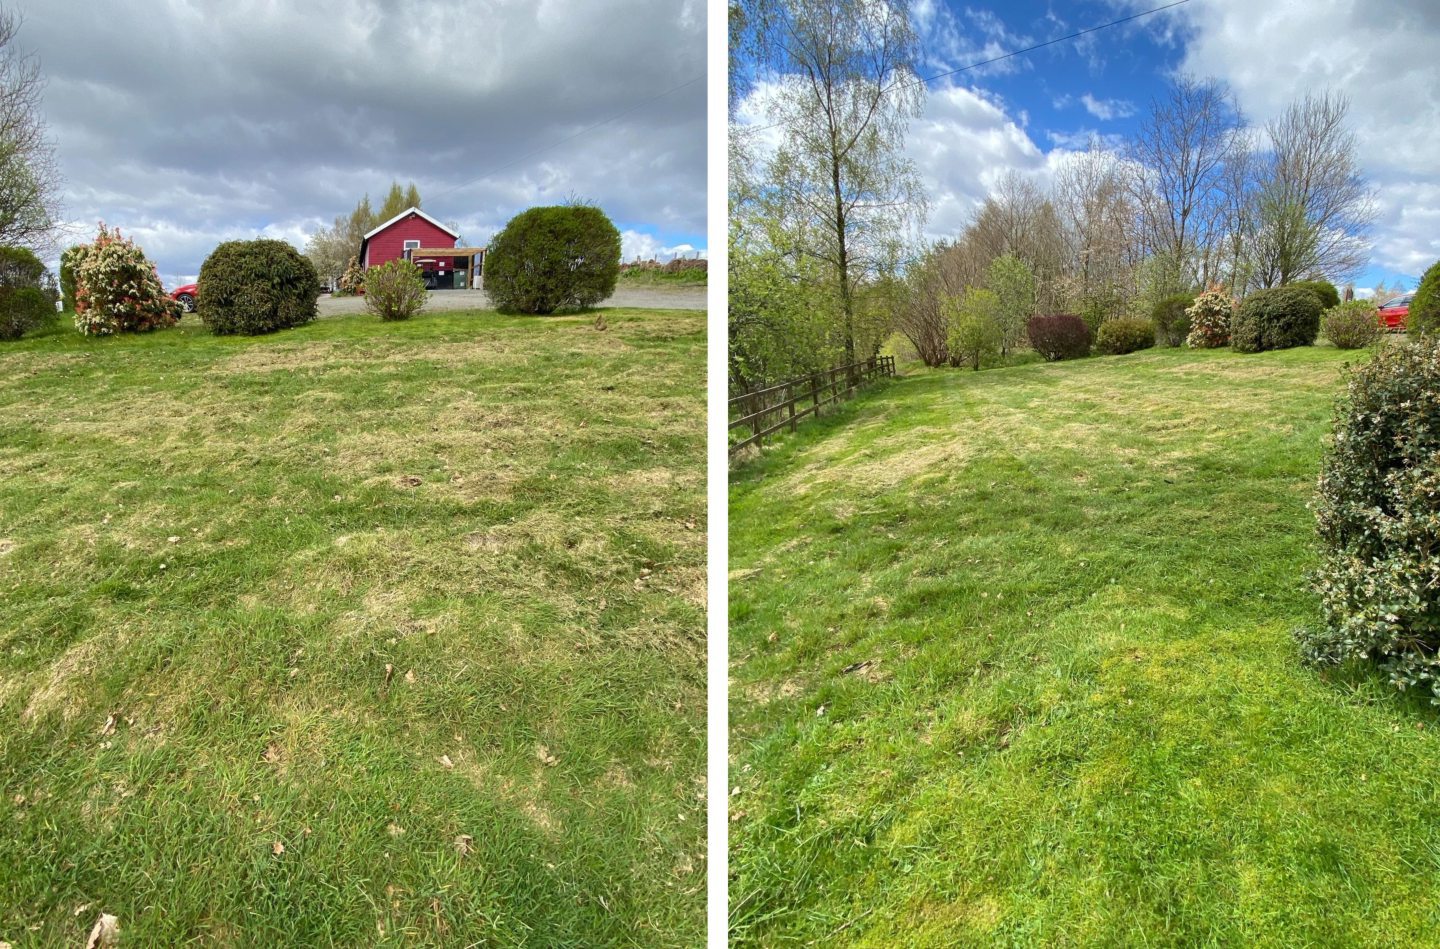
[{"x": 766, "y": 411}]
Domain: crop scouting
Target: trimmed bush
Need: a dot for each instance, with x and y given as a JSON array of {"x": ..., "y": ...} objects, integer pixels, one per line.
[
  {"x": 1377, "y": 513},
  {"x": 1172, "y": 319},
  {"x": 1424, "y": 315},
  {"x": 1281, "y": 318},
  {"x": 1324, "y": 289},
  {"x": 553, "y": 257},
  {"x": 1210, "y": 318},
  {"x": 1059, "y": 336},
  {"x": 395, "y": 290},
  {"x": 253, "y": 287},
  {"x": 1125, "y": 335},
  {"x": 21, "y": 310},
  {"x": 1351, "y": 325},
  {"x": 118, "y": 291}
]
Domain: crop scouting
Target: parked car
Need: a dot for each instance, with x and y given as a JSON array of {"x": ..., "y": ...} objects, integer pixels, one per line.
[
  {"x": 185, "y": 296},
  {"x": 1394, "y": 313}
]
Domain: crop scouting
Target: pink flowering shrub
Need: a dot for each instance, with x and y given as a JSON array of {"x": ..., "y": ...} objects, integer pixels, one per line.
[{"x": 118, "y": 291}]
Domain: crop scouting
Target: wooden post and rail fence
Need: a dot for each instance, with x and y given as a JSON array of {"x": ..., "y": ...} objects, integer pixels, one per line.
[{"x": 767, "y": 411}]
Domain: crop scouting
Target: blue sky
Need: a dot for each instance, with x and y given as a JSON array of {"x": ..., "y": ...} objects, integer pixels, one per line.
[
  {"x": 1025, "y": 112},
  {"x": 189, "y": 122}
]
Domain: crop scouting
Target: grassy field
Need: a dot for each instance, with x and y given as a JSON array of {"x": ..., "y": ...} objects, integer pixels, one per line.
[
  {"x": 356, "y": 634},
  {"x": 1012, "y": 664},
  {"x": 659, "y": 278}
]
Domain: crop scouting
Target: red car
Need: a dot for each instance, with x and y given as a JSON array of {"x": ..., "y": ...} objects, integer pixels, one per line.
[
  {"x": 185, "y": 296},
  {"x": 1393, "y": 314}
]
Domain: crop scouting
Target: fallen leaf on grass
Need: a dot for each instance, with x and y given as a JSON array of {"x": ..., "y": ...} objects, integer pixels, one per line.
[
  {"x": 105, "y": 933},
  {"x": 394, "y": 830},
  {"x": 410, "y": 677},
  {"x": 545, "y": 756},
  {"x": 445, "y": 762},
  {"x": 277, "y": 848},
  {"x": 389, "y": 674},
  {"x": 109, "y": 727},
  {"x": 464, "y": 844}
]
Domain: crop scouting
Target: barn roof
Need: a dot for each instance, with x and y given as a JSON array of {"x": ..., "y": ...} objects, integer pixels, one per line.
[{"x": 406, "y": 213}]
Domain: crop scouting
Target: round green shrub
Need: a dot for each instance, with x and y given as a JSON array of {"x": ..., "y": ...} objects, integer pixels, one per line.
[
  {"x": 1424, "y": 315},
  {"x": 553, "y": 257},
  {"x": 1353, "y": 324},
  {"x": 1280, "y": 318},
  {"x": 1377, "y": 512},
  {"x": 1059, "y": 336},
  {"x": 1125, "y": 335},
  {"x": 1324, "y": 289},
  {"x": 254, "y": 287},
  {"x": 1172, "y": 319},
  {"x": 21, "y": 310},
  {"x": 395, "y": 290}
]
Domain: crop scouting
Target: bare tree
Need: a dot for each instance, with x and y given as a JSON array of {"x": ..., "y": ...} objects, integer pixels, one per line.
[
  {"x": 29, "y": 172},
  {"x": 1314, "y": 208},
  {"x": 839, "y": 179},
  {"x": 1179, "y": 153},
  {"x": 1091, "y": 196},
  {"x": 1018, "y": 218}
]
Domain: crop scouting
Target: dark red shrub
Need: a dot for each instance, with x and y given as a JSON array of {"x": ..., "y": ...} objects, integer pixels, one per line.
[{"x": 1059, "y": 336}]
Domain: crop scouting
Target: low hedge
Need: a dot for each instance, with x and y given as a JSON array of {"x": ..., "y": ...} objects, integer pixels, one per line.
[
  {"x": 1125, "y": 335},
  {"x": 1281, "y": 318},
  {"x": 1171, "y": 317},
  {"x": 253, "y": 287}
]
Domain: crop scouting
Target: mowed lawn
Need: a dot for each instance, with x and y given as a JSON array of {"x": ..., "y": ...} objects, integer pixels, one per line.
[
  {"x": 356, "y": 634},
  {"x": 1012, "y": 664}
]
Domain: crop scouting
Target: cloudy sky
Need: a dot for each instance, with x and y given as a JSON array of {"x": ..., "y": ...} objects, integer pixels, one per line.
[
  {"x": 1026, "y": 112},
  {"x": 189, "y": 122}
]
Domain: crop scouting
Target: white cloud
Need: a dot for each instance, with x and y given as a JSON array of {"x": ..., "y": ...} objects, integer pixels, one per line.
[{"x": 1107, "y": 109}]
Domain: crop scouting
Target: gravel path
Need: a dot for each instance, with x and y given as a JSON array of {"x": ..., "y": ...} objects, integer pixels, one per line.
[{"x": 648, "y": 298}]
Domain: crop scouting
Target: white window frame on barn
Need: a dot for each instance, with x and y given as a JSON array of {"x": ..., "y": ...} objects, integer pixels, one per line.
[{"x": 409, "y": 247}]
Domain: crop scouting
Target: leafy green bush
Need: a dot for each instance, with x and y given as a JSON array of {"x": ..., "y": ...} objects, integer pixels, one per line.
[
  {"x": 1323, "y": 289},
  {"x": 1172, "y": 319},
  {"x": 1125, "y": 335},
  {"x": 1059, "y": 336},
  {"x": 1210, "y": 318},
  {"x": 1378, "y": 516},
  {"x": 21, "y": 310},
  {"x": 976, "y": 334},
  {"x": 553, "y": 257},
  {"x": 70, "y": 262},
  {"x": 395, "y": 290},
  {"x": 118, "y": 291},
  {"x": 1276, "y": 319},
  {"x": 254, "y": 287},
  {"x": 1424, "y": 315},
  {"x": 1351, "y": 325}
]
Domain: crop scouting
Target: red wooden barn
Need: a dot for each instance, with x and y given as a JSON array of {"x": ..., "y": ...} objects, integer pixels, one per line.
[{"x": 415, "y": 235}]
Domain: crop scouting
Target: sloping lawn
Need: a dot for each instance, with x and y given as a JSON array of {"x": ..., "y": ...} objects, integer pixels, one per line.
[
  {"x": 356, "y": 634},
  {"x": 1012, "y": 664}
]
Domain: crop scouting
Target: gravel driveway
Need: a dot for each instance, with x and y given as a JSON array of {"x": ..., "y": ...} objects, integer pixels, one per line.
[{"x": 648, "y": 298}]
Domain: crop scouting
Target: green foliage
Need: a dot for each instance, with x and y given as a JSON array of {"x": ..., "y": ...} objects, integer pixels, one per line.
[
  {"x": 1210, "y": 319},
  {"x": 1424, "y": 318},
  {"x": 1013, "y": 283},
  {"x": 976, "y": 336},
  {"x": 779, "y": 323},
  {"x": 1125, "y": 335},
  {"x": 1378, "y": 516},
  {"x": 21, "y": 310},
  {"x": 1280, "y": 318},
  {"x": 1059, "y": 336},
  {"x": 19, "y": 267},
  {"x": 1172, "y": 318},
  {"x": 1098, "y": 309},
  {"x": 253, "y": 287},
  {"x": 553, "y": 257},
  {"x": 118, "y": 291},
  {"x": 1324, "y": 290},
  {"x": 70, "y": 262},
  {"x": 395, "y": 290},
  {"x": 1352, "y": 324}
]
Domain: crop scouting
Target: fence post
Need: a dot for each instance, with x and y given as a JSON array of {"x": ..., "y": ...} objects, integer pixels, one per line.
[{"x": 790, "y": 401}]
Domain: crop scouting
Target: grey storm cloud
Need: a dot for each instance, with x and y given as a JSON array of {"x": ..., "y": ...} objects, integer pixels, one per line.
[{"x": 188, "y": 123}]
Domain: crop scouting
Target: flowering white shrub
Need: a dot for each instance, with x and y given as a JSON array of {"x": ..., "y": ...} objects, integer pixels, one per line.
[
  {"x": 117, "y": 289},
  {"x": 1210, "y": 317}
]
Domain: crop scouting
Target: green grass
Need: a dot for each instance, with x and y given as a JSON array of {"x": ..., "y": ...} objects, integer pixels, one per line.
[
  {"x": 220, "y": 546},
  {"x": 1012, "y": 664},
  {"x": 659, "y": 278}
]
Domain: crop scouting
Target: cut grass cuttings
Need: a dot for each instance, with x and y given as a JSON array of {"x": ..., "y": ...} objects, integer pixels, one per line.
[
  {"x": 355, "y": 634},
  {"x": 1012, "y": 664}
]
